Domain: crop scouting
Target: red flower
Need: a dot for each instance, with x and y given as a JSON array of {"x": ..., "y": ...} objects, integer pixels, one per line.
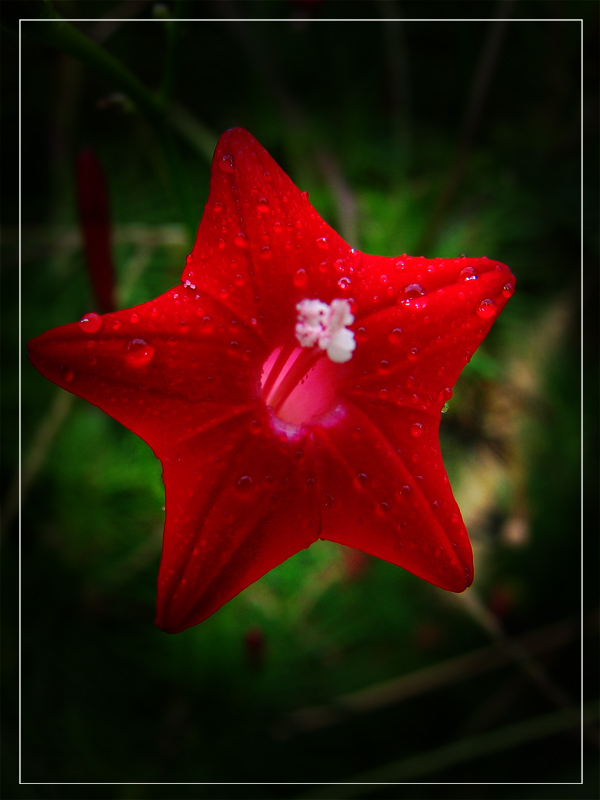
[{"x": 291, "y": 387}]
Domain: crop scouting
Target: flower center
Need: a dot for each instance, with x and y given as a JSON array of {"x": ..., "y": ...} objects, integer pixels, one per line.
[{"x": 297, "y": 382}]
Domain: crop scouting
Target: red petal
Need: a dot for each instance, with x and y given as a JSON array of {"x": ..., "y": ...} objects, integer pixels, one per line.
[
  {"x": 261, "y": 246},
  {"x": 390, "y": 497},
  {"x": 158, "y": 368},
  {"x": 239, "y": 502}
]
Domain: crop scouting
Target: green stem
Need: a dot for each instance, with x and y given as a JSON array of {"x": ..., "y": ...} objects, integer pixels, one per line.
[{"x": 60, "y": 34}]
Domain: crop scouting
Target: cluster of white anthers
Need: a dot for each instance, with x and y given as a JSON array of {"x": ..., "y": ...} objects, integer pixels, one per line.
[{"x": 325, "y": 325}]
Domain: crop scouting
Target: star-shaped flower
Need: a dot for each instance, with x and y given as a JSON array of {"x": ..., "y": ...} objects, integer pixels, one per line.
[{"x": 291, "y": 387}]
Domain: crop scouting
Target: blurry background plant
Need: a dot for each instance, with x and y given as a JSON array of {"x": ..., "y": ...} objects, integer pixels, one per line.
[{"x": 431, "y": 138}]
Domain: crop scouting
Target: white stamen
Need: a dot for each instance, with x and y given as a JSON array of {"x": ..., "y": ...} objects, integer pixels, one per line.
[{"x": 325, "y": 326}]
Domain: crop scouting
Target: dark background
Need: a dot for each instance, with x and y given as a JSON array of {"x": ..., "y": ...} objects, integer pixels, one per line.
[{"x": 427, "y": 137}]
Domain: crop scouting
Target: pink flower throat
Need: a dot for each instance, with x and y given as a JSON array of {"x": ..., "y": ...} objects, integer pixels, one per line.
[{"x": 298, "y": 383}]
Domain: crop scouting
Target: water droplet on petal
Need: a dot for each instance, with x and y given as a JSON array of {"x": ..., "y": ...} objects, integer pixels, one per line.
[
  {"x": 416, "y": 429},
  {"x": 134, "y": 318},
  {"x": 300, "y": 278},
  {"x": 245, "y": 483},
  {"x": 413, "y": 353},
  {"x": 226, "y": 163},
  {"x": 266, "y": 253},
  {"x": 406, "y": 490},
  {"x": 262, "y": 206},
  {"x": 322, "y": 243},
  {"x": 486, "y": 309},
  {"x": 412, "y": 291},
  {"x": 91, "y": 323},
  {"x": 67, "y": 373},
  {"x": 304, "y": 195},
  {"x": 218, "y": 207},
  {"x": 395, "y": 336},
  {"x": 344, "y": 284},
  {"x": 508, "y": 290},
  {"x": 468, "y": 274},
  {"x": 241, "y": 240},
  {"x": 139, "y": 353}
]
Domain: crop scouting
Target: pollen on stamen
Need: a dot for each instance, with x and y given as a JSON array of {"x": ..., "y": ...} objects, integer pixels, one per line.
[{"x": 325, "y": 326}]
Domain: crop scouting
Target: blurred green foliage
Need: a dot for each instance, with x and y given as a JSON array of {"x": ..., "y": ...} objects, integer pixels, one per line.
[{"x": 431, "y": 138}]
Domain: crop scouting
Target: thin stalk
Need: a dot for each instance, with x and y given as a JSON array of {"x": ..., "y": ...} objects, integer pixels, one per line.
[
  {"x": 279, "y": 364},
  {"x": 60, "y": 34},
  {"x": 305, "y": 362},
  {"x": 423, "y": 765}
]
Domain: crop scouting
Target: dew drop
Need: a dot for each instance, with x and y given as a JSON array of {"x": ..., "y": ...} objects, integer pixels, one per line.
[
  {"x": 508, "y": 290},
  {"x": 218, "y": 207},
  {"x": 395, "y": 337},
  {"x": 139, "y": 353},
  {"x": 221, "y": 244},
  {"x": 446, "y": 394},
  {"x": 323, "y": 243},
  {"x": 226, "y": 163},
  {"x": 304, "y": 195},
  {"x": 266, "y": 253},
  {"x": 207, "y": 325},
  {"x": 241, "y": 240},
  {"x": 91, "y": 323},
  {"x": 468, "y": 274},
  {"x": 262, "y": 206},
  {"x": 412, "y": 291},
  {"x": 277, "y": 227},
  {"x": 300, "y": 278},
  {"x": 406, "y": 490},
  {"x": 344, "y": 284},
  {"x": 255, "y": 426},
  {"x": 413, "y": 353},
  {"x": 362, "y": 478},
  {"x": 67, "y": 373},
  {"x": 245, "y": 483},
  {"x": 416, "y": 429},
  {"x": 134, "y": 318},
  {"x": 486, "y": 309}
]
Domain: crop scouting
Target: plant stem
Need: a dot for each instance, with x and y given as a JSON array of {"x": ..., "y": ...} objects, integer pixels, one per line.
[{"x": 59, "y": 33}]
